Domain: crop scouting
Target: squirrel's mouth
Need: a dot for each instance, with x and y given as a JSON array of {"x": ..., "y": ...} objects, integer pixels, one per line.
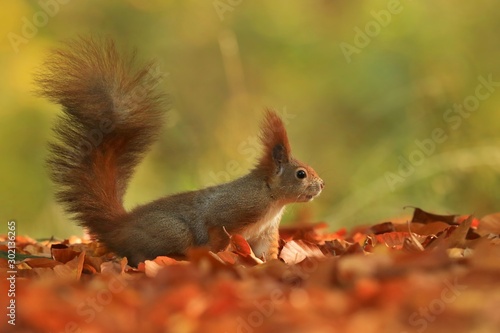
[{"x": 309, "y": 197}]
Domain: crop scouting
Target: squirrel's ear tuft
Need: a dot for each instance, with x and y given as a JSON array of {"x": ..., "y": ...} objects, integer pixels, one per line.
[{"x": 275, "y": 141}]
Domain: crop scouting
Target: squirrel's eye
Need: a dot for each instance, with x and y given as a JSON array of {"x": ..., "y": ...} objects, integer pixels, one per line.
[{"x": 301, "y": 174}]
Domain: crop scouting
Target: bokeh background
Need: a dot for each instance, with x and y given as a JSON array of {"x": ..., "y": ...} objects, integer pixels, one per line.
[{"x": 364, "y": 85}]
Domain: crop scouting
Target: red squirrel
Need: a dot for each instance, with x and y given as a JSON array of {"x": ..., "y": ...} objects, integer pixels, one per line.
[{"x": 107, "y": 95}]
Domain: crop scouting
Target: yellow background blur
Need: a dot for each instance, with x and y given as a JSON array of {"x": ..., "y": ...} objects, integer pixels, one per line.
[{"x": 366, "y": 85}]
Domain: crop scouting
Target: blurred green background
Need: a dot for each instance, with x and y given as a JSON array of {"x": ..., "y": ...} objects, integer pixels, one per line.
[{"x": 365, "y": 85}]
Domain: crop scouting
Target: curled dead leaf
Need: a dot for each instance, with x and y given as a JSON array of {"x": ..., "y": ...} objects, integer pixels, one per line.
[
  {"x": 72, "y": 270},
  {"x": 421, "y": 216},
  {"x": 62, "y": 253},
  {"x": 296, "y": 251}
]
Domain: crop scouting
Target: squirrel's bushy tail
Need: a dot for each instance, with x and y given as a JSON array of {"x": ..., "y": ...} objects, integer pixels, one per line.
[{"x": 111, "y": 115}]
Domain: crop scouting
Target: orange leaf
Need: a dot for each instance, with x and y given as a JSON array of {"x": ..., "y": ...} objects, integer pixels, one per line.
[
  {"x": 42, "y": 262},
  {"x": 240, "y": 245},
  {"x": 228, "y": 257},
  {"x": 475, "y": 221},
  {"x": 393, "y": 240},
  {"x": 151, "y": 268},
  {"x": 62, "y": 253},
  {"x": 489, "y": 224},
  {"x": 114, "y": 267},
  {"x": 458, "y": 236},
  {"x": 4, "y": 263},
  {"x": 72, "y": 270},
  {"x": 432, "y": 228},
  {"x": 296, "y": 251}
]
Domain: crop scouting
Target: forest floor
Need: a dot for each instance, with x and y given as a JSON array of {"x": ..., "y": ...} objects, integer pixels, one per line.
[{"x": 433, "y": 273}]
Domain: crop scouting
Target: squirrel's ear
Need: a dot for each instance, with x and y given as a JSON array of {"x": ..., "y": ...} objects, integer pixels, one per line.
[
  {"x": 275, "y": 142},
  {"x": 279, "y": 157}
]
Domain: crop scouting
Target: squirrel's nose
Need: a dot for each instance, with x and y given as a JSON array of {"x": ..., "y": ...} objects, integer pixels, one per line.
[{"x": 321, "y": 183}]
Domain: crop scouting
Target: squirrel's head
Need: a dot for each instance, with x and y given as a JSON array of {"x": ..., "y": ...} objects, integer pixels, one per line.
[{"x": 289, "y": 179}]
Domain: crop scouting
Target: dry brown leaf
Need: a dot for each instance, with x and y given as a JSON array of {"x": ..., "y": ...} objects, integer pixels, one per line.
[
  {"x": 165, "y": 261},
  {"x": 312, "y": 232},
  {"x": 393, "y": 240},
  {"x": 63, "y": 253},
  {"x": 486, "y": 256},
  {"x": 489, "y": 224},
  {"x": 351, "y": 289},
  {"x": 335, "y": 247},
  {"x": 72, "y": 270},
  {"x": 428, "y": 229},
  {"x": 207, "y": 261},
  {"x": 422, "y": 216},
  {"x": 459, "y": 234},
  {"x": 94, "y": 262},
  {"x": 359, "y": 265},
  {"x": 42, "y": 273},
  {"x": 381, "y": 228},
  {"x": 151, "y": 268},
  {"x": 296, "y": 251},
  {"x": 114, "y": 267},
  {"x": 42, "y": 262},
  {"x": 38, "y": 250}
]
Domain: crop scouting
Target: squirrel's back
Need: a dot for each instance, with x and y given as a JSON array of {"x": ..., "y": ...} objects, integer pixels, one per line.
[{"x": 111, "y": 115}]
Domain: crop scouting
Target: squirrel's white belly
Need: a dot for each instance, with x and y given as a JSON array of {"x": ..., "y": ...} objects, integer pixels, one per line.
[{"x": 270, "y": 220}]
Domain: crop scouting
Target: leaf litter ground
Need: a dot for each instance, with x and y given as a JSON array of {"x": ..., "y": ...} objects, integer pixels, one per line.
[{"x": 434, "y": 273}]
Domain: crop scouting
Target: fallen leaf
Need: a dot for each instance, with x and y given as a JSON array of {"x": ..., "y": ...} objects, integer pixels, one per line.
[
  {"x": 350, "y": 281},
  {"x": 113, "y": 267},
  {"x": 422, "y": 216},
  {"x": 165, "y": 261},
  {"x": 335, "y": 247},
  {"x": 240, "y": 245},
  {"x": 381, "y": 228},
  {"x": 72, "y": 270},
  {"x": 42, "y": 262},
  {"x": 228, "y": 257},
  {"x": 312, "y": 232},
  {"x": 151, "y": 268},
  {"x": 412, "y": 243},
  {"x": 489, "y": 224},
  {"x": 393, "y": 240},
  {"x": 62, "y": 253},
  {"x": 295, "y": 251},
  {"x": 428, "y": 229},
  {"x": 459, "y": 234},
  {"x": 461, "y": 218}
]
